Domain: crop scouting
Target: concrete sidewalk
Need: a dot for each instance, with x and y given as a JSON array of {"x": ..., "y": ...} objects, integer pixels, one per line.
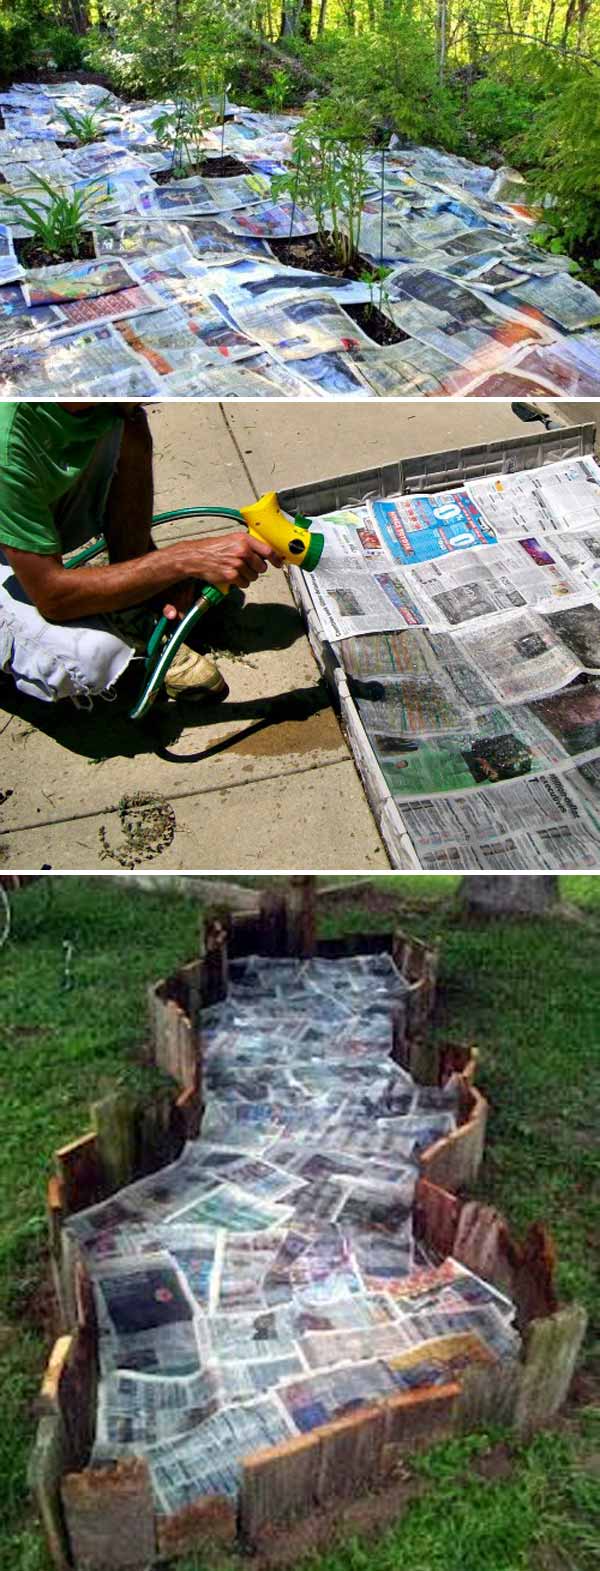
[{"x": 265, "y": 781}]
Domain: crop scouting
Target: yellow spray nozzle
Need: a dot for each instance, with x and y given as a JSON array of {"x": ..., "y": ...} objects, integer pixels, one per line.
[{"x": 266, "y": 520}]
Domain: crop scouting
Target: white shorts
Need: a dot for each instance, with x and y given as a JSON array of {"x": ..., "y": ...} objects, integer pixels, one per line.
[{"x": 80, "y": 659}]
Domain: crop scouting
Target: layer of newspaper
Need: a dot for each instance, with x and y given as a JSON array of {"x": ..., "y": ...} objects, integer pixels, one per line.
[
  {"x": 482, "y": 310},
  {"x": 269, "y": 1280}
]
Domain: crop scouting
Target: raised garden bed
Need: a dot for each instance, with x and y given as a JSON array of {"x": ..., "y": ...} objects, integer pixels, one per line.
[{"x": 97, "y": 1518}]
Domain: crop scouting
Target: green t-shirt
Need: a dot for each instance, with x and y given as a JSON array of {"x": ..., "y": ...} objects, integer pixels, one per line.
[{"x": 43, "y": 450}]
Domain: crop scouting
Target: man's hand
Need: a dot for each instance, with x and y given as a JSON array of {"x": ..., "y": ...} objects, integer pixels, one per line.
[
  {"x": 228, "y": 559},
  {"x": 181, "y": 597}
]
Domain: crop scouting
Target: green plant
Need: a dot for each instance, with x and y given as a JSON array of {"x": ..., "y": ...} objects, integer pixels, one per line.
[
  {"x": 86, "y": 127},
  {"x": 328, "y": 175},
  {"x": 278, "y": 90},
  {"x": 182, "y": 131},
  {"x": 374, "y": 277},
  {"x": 62, "y": 46},
  {"x": 560, "y": 148},
  {"x": 58, "y": 223}
]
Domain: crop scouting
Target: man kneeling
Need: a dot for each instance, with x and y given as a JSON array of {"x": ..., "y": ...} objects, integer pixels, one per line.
[{"x": 68, "y": 472}]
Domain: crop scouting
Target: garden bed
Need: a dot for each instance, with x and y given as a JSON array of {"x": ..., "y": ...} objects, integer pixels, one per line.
[
  {"x": 31, "y": 254},
  {"x": 109, "y": 1511}
]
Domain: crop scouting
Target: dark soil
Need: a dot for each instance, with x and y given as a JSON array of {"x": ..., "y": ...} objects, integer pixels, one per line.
[
  {"x": 316, "y": 254},
  {"x": 73, "y": 147},
  {"x": 375, "y": 324},
  {"x": 209, "y": 168},
  {"x": 31, "y": 254}
]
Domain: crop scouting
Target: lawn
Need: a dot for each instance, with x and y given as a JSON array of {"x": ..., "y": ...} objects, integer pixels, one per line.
[{"x": 527, "y": 993}]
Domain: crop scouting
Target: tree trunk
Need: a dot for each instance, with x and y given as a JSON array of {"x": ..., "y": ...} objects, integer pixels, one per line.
[{"x": 500, "y": 896}]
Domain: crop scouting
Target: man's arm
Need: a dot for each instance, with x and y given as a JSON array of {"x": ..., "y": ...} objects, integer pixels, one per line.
[{"x": 63, "y": 595}]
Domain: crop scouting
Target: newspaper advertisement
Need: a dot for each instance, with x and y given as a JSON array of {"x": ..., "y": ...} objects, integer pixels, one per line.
[{"x": 419, "y": 528}]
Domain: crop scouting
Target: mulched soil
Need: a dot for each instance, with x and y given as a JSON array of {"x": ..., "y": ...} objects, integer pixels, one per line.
[
  {"x": 316, "y": 254},
  {"x": 209, "y": 168},
  {"x": 31, "y": 254}
]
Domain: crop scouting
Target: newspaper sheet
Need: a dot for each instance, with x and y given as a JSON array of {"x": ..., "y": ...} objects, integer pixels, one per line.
[
  {"x": 208, "y": 1461},
  {"x": 542, "y": 824},
  {"x": 462, "y": 587},
  {"x": 556, "y": 496},
  {"x": 296, "y": 327}
]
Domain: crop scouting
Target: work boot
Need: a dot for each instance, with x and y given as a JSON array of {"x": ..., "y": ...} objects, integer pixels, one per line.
[{"x": 194, "y": 676}]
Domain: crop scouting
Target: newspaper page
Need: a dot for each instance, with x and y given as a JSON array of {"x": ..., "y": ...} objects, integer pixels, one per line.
[
  {"x": 10, "y": 269},
  {"x": 355, "y": 589},
  {"x": 468, "y": 328},
  {"x": 409, "y": 370},
  {"x": 80, "y": 362},
  {"x": 580, "y": 552},
  {"x": 556, "y": 496},
  {"x": 524, "y": 656},
  {"x": 330, "y": 375},
  {"x": 209, "y": 1460},
  {"x": 498, "y": 745},
  {"x": 466, "y": 585},
  {"x": 297, "y": 326},
  {"x": 541, "y": 824},
  {"x": 565, "y": 300},
  {"x": 76, "y": 281}
]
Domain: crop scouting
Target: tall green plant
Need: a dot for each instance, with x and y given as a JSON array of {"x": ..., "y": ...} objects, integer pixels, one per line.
[
  {"x": 52, "y": 218},
  {"x": 328, "y": 175}
]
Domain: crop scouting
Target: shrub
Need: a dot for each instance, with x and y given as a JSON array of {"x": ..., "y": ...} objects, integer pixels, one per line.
[
  {"x": 496, "y": 112},
  {"x": 328, "y": 176},
  {"x": 561, "y": 152}
]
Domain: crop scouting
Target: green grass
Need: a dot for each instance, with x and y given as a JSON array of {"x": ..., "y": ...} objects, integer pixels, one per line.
[{"x": 528, "y": 994}]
